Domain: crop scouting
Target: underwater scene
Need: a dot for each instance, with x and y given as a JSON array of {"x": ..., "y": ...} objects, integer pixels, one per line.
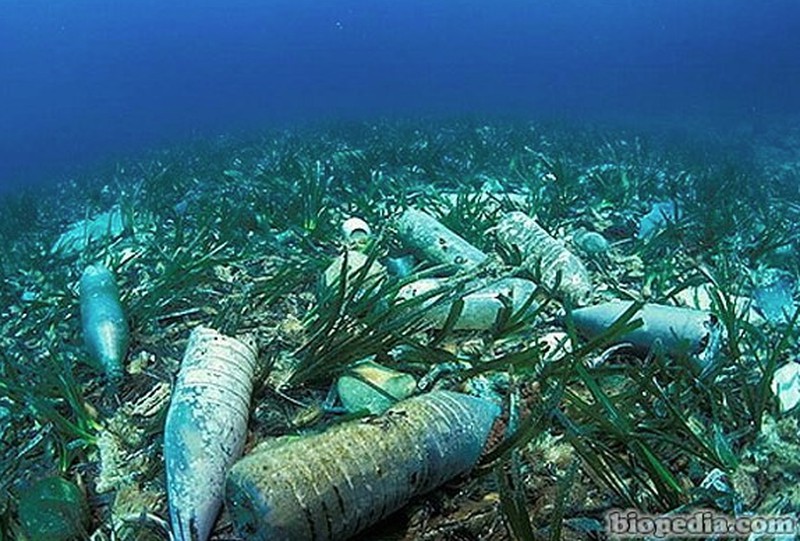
[{"x": 399, "y": 271}]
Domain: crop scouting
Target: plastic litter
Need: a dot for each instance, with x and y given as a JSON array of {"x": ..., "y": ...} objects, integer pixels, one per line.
[
  {"x": 481, "y": 308},
  {"x": 655, "y": 220},
  {"x": 679, "y": 331},
  {"x": 103, "y": 321},
  {"x": 206, "y": 428},
  {"x": 546, "y": 257},
  {"x": 774, "y": 295},
  {"x": 786, "y": 386},
  {"x": 372, "y": 387},
  {"x": 426, "y": 235},
  {"x": 108, "y": 225},
  {"x": 335, "y": 484}
]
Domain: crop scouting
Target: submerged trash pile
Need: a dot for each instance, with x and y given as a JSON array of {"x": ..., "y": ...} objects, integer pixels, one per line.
[{"x": 472, "y": 332}]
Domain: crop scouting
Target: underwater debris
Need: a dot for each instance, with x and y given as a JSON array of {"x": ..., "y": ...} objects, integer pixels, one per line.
[
  {"x": 655, "y": 220},
  {"x": 372, "y": 387},
  {"x": 424, "y": 234},
  {"x": 401, "y": 266},
  {"x": 335, "y": 484},
  {"x": 679, "y": 331},
  {"x": 54, "y": 509},
  {"x": 546, "y": 257},
  {"x": 591, "y": 242},
  {"x": 774, "y": 295},
  {"x": 105, "y": 327},
  {"x": 701, "y": 298},
  {"x": 481, "y": 308},
  {"x": 785, "y": 386},
  {"x": 108, "y": 225},
  {"x": 206, "y": 427},
  {"x": 245, "y": 215},
  {"x": 355, "y": 232},
  {"x": 355, "y": 261}
]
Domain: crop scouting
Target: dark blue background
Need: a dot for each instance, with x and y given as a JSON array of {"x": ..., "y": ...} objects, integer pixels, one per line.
[{"x": 82, "y": 81}]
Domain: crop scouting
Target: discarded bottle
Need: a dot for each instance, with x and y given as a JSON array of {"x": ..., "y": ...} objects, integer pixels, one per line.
[
  {"x": 655, "y": 220},
  {"x": 105, "y": 328},
  {"x": 356, "y": 233},
  {"x": 355, "y": 262},
  {"x": 680, "y": 331},
  {"x": 774, "y": 294},
  {"x": 372, "y": 387},
  {"x": 546, "y": 257},
  {"x": 205, "y": 428},
  {"x": 335, "y": 484},
  {"x": 103, "y": 227},
  {"x": 425, "y": 234},
  {"x": 701, "y": 297},
  {"x": 785, "y": 386},
  {"x": 480, "y": 309}
]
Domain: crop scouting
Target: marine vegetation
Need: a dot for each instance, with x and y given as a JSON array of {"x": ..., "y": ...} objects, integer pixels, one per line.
[{"x": 601, "y": 401}]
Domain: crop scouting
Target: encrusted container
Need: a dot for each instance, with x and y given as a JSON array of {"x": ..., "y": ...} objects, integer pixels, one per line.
[
  {"x": 103, "y": 321},
  {"x": 679, "y": 331},
  {"x": 546, "y": 257},
  {"x": 206, "y": 427},
  {"x": 335, "y": 484},
  {"x": 428, "y": 237},
  {"x": 481, "y": 308}
]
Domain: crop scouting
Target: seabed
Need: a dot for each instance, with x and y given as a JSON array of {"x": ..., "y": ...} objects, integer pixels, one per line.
[{"x": 235, "y": 234}]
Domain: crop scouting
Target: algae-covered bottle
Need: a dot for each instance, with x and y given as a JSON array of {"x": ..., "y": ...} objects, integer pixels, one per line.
[
  {"x": 546, "y": 257},
  {"x": 430, "y": 238},
  {"x": 206, "y": 428},
  {"x": 480, "y": 309},
  {"x": 105, "y": 327},
  {"x": 679, "y": 331},
  {"x": 335, "y": 484}
]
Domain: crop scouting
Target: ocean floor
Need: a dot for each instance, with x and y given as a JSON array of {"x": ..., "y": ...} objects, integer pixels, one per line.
[{"x": 661, "y": 411}]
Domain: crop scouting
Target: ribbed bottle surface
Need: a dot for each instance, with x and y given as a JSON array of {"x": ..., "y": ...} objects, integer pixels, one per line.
[
  {"x": 205, "y": 428},
  {"x": 335, "y": 484},
  {"x": 546, "y": 257}
]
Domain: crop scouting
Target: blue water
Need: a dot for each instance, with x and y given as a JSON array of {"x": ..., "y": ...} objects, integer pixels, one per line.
[{"x": 83, "y": 81}]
